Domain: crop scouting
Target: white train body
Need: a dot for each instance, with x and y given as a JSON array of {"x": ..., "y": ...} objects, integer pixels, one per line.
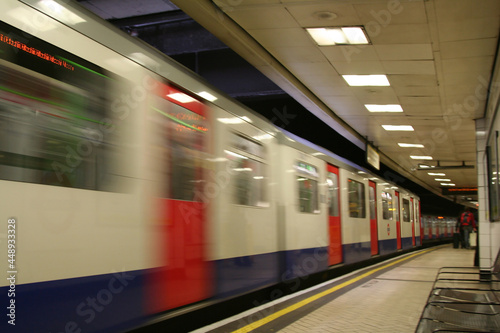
[{"x": 132, "y": 195}]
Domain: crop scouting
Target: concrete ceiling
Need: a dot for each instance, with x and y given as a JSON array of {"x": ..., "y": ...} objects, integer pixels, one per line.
[{"x": 437, "y": 54}]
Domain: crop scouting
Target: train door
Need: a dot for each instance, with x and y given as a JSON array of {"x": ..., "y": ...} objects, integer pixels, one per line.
[
  {"x": 181, "y": 145},
  {"x": 335, "y": 246},
  {"x": 412, "y": 217},
  {"x": 398, "y": 221},
  {"x": 373, "y": 217}
]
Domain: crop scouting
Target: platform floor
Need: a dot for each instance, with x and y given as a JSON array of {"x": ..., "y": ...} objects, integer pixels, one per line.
[{"x": 387, "y": 297}]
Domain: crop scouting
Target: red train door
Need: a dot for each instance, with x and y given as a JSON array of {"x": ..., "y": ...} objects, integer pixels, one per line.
[
  {"x": 182, "y": 140},
  {"x": 335, "y": 246},
  {"x": 412, "y": 214},
  {"x": 398, "y": 221},
  {"x": 373, "y": 217}
]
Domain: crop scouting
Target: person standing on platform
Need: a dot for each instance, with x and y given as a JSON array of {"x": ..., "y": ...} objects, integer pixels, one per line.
[
  {"x": 467, "y": 224},
  {"x": 458, "y": 240}
]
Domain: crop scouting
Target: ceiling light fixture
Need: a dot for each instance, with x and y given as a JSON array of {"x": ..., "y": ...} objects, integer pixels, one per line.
[
  {"x": 338, "y": 36},
  {"x": 419, "y": 157},
  {"x": 366, "y": 80},
  {"x": 447, "y": 184},
  {"x": 384, "y": 107},
  {"x": 436, "y": 174},
  {"x": 398, "y": 127},
  {"x": 410, "y": 145}
]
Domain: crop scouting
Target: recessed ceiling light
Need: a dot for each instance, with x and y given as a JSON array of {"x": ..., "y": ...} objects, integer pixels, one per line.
[
  {"x": 418, "y": 157},
  {"x": 355, "y": 35},
  {"x": 366, "y": 80},
  {"x": 442, "y": 180},
  {"x": 447, "y": 184},
  {"x": 436, "y": 174},
  {"x": 410, "y": 145},
  {"x": 340, "y": 35},
  {"x": 398, "y": 127},
  {"x": 384, "y": 107}
]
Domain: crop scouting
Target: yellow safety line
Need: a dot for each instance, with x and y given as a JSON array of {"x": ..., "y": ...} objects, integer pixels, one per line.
[{"x": 263, "y": 321}]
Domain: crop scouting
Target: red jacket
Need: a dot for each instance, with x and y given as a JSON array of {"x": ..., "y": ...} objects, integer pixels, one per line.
[{"x": 467, "y": 220}]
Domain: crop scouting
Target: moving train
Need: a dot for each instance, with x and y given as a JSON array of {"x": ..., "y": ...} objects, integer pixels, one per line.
[{"x": 130, "y": 187}]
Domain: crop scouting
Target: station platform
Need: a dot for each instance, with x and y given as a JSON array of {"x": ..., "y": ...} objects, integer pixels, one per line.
[{"x": 386, "y": 297}]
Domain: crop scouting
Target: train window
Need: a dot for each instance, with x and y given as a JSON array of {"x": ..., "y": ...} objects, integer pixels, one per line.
[
  {"x": 371, "y": 192},
  {"x": 417, "y": 213},
  {"x": 387, "y": 207},
  {"x": 308, "y": 187},
  {"x": 357, "y": 205},
  {"x": 247, "y": 169},
  {"x": 406, "y": 210},
  {"x": 396, "y": 207},
  {"x": 246, "y": 145},
  {"x": 333, "y": 190},
  {"x": 180, "y": 148},
  {"x": 51, "y": 132}
]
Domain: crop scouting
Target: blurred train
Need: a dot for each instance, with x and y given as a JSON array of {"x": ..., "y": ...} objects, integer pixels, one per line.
[
  {"x": 130, "y": 187},
  {"x": 436, "y": 227}
]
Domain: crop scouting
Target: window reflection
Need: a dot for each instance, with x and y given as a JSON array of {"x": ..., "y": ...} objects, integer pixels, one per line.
[
  {"x": 333, "y": 199},
  {"x": 308, "y": 187},
  {"x": 247, "y": 169},
  {"x": 357, "y": 205},
  {"x": 387, "y": 207}
]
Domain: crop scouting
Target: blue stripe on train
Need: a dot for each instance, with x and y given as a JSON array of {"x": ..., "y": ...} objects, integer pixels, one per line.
[
  {"x": 387, "y": 246},
  {"x": 101, "y": 303},
  {"x": 407, "y": 242},
  {"x": 243, "y": 274},
  {"x": 355, "y": 252},
  {"x": 304, "y": 262}
]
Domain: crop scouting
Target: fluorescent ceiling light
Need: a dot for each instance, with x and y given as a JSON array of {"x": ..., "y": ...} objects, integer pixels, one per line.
[
  {"x": 398, "y": 127},
  {"x": 442, "y": 180},
  {"x": 384, "y": 107},
  {"x": 447, "y": 184},
  {"x": 410, "y": 145},
  {"x": 418, "y": 157},
  {"x": 366, "y": 80},
  {"x": 335, "y": 36},
  {"x": 436, "y": 174},
  {"x": 355, "y": 35},
  {"x": 206, "y": 95}
]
